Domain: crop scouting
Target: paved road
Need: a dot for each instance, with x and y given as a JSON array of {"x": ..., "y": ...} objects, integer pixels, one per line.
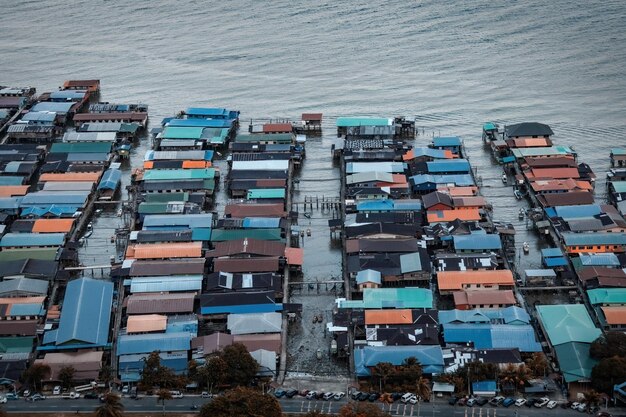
[{"x": 295, "y": 405}]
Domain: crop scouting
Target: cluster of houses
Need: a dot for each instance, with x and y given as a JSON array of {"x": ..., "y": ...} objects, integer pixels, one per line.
[
  {"x": 12, "y": 101},
  {"x": 50, "y": 179},
  {"x": 423, "y": 260}
]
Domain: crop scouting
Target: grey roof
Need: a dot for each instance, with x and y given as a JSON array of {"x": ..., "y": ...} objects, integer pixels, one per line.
[
  {"x": 23, "y": 286},
  {"x": 254, "y": 323},
  {"x": 89, "y": 137},
  {"x": 528, "y": 129}
]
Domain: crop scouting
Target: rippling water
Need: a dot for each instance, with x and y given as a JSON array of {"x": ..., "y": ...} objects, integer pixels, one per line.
[{"x": 450, "y": 66}]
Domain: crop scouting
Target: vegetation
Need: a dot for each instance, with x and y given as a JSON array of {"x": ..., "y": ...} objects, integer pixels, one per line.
[
  {"x": 213, "y": 374},
  {"x": 315, "y": 414},
  {"x": 422, "y": 388},
  {"x": 240, "y": 366},
  {"x": 162, "y": 396},
  {"x": 66, "y": 376},
  {"x": 242, "y": 402},
  {"x": 111, "y": 407},
  {"x": 358, "y": 409},
  {"x": 106, "y": 374},
  {"x": 609, "y": 345},
  {"x": 513, "y": 378},
  {"x": 591, "y": 398},
  {"x": 35, "y": 374},
  {"x": 538, "y": 365},
  {"x": 607, "y": 373},
  {"x": 382, "y": 371},
  {"x": 156, "y": 375}
]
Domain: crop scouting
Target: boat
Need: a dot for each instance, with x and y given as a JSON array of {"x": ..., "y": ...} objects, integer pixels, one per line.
[
  {"x": 526, "y": 247},
  {"x": 505, "y": 179},
  {"x": 518, "y": 194},
  {"x": 89, "y": 231},
  {"x": 521, "y": 214},
  {"x": 490, "y": 131}
]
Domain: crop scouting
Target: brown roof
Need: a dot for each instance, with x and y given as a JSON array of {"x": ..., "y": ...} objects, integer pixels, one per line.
[
  {"x": 247, "y": 246},
  {"x": 277, "y": 128},
  {"x": 53, "y": 225},
  {"x": 87, "y": 84},
  {"x": 591, "y": 272},
  {"x": 13, "y": 190},
  {"x": 146, "y": 323},
  {"x": 381, "y": 245},
  {"x": 528, "y": 142},
  {"x": 254, "y": 210},
  {"x": 484, "y": 297},
  {"x": 555, "y": 162},
  {"x": 104, "y": 117},
  {"x": 160, "y": 303},
  {"x": 574, "y": 198},
  {"x": 261, "y": 264},
  {"x": 569, "y": 184},
  {"x": 277, "y": 183},
  {"x": 86, "y": 364},
  {"x": 474, "y": 201},
  {"x": 308, "y": 117},
  {"x": 10, "y": 102},
  {"x": 267, "y": 341},
  {"x": 213, "y": 342},
  {"x": 71, "y": 177},
  {"x": 454, "y": 280},
  {"x": 172, "y": 267},
  {"x": 18, "y": 327},
  {"x": 552, "y": 173}
]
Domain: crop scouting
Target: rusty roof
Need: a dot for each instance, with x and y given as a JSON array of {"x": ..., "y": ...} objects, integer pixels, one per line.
[
  {"x": 552, "y": 173},
  {"x": 170, "y": 267},
  {"x": 261, "y": 264},
  {"x": 401, "y": 316},
  {"x": 484, "y": 297},
  {"x": 555, "y": 162},
  {"x": 310, "y": 117},
  {"x": 160, "y": 303},
  {"x": 146, "y": 323},
  {"x": 71, "y": 177},
  {"x": 277, "y": 128},
  {"x": 53, "y": 225},
  {"x": 255, "y": 210},
  {"x": 454, "y": 280},
  {"x": 572, "y": 198},
  {"x": 247, "y": 246}
]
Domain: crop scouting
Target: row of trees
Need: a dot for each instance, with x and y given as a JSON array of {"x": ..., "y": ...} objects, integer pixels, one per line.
[
  {"x": 392, "y": 378},
  {"x": 610, "y": 351}
]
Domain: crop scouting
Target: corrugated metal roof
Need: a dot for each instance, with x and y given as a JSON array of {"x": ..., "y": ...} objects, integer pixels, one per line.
[
  {"x": 86, "y": 312},
  {"x": 263, "y": 193},
  {"x": 13, "y": 190},
  {"x": 448, "y": 165},
  {"x": 166, "y": 284},
  {"x": 254, "y": 323},
  {"x": 110, "y": 179},
  {"x": 23, "y": 286},
  {"x": 490, "y": 336},
  {"x": 295, "y": 256},
  {"x": 70, "y": 177},
  {"x": 220, "y": 235},
  {"x": 207, "y": 111},
  {"x": 456, "y": 280},
  {"x": 429, "y": 357},
  {"x": 607, "y": 296},
  {"x": 261, "y": 222},
  {"x": 369, "y": 276},
  {"x": 599, "y": 259},
  {"x": 615, "y": 316},
  {"x": 68, "y": 186},
  {"x": 160, "y": 303},
  {"x": 390, "y": 205},
  {"x": 146, "y": 323},
  {"x": 266, "y": 165},
  {"x": 542, "y": 151},
  {"x": 171, "y": 132},
  {"x": 460, "y": 180},
  {"x": 388, "y": 167},
  {"x": 482, "y": 242},
  {"x": 146, "y": 343},
  {"x": 206, "y": 155},
  {"x": 582, "y": 239},
  {"x": 165, "y": 250},
  {"x": 90, "y": 137},
  {"x": 178, "y": 174},
  {"x": 388, "y": 316},
  {"x": 170, "y": 267},
  {"x": 446, "y": 141},
  {"x": 363, "y": 121},
  {"x": 258, "y": 210},
  {"x": 52, "y": 225},
  {"x": 509, "y": 315},
  {"x": 40, "y": 116},
  {"x": 53, "y": 107},
  {"x": 81, "y": 147},
  {"x": 575, "y": 361},
  {"x": 391, "y": 298},
  {"x": 49, "y": 254},
  {"x": 44, "y": 198},
  {"x": 11, "y": 180},
  {"x": 218, "y": 123},
  {"x": 189, "y": 221},
  {"x": 565, "y": 323},
  {"x": 260, "y": 264},
  {"x": 32, "y": 239}
]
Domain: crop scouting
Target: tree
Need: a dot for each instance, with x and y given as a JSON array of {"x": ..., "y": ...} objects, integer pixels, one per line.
[
  {"x": 155, "y": 374},
  {"x": 537, "y": 364},
  {"x": 241, "y": 367},
  {"x": 242, "y": 401},
  {"x": 106, "y": 374},
  {"x": 35, "y": 374},
  {"x": 591, "y": 398},
  {"x": 515, "y": 377},
  {"x": 383, "y": 370},
  {"x": 315, "y": 414},
  {"x": 66, "y": 375},
  {"x": 3, "y": 412},
  {"x": 162, "y": 396},
  {"x": 110, "y": 407},
  {"x": 358, "y": 409},
  {"x": 213, "y": 373},
  {"x": 609, "y": 345},
  {"x": 422, "y": 388},
  {"x": 607, "y": 373},
  {"x": 409, "y": 372}
]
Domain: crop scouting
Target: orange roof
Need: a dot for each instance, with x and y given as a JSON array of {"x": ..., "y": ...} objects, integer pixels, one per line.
[
  {"x": 440, "y": 216},
  {"x": 484, "y": 297},
  {"x": 615, "y": 315},
  {"x": 148, "y": 164},
  {"x": 52, "y": 225},
  {"x": 455, "y": 280},
  {"x": 71, "y": 177},
  {"x": 531, "y": 142},
  {"x": 459, "y": 191},
  {"x": 146, "y": 323},
  {"x": 402, "y": 316},
  {"x": 410, "y": 154},
  {"x": 295, "y": 256},
  {"x": 552, "y": 173},
  {"x": 196, "y": 164},
  {"x": 164, "y": 250},
  {"x": 567, "y": 184},
  {"x": 13, "y": 190}
]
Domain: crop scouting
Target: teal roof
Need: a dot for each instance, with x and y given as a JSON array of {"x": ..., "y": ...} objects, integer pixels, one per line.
[
  {"x": 32, "y": 239},
  {"x": 584, "y": 239},
  {"x": 11, "y": 180},
  {"x": 265, "y": 138},
  {"x": 165, "y": 197},
  {"x": 221, "y": 235},
  {"x": 182, "y": 132},
  {"x": 409, "y": 297},
  {"x": 362, "y": 121},
  {"x": 619, "y": 186},
  {"x": 618, "y": 151},
  {"x": 266, "y": 193},
  {"x": 607, "y": 296},
  {"x": 368, "y": 276},
  {"x": 575, "y": 361},
  {"x": 81, "y": 147},
  {"x": 566, "y": 323},
  {"x": 16, "y": 344},
  {"x": 178, "y": 174},
  {"x": 489, "y": 126}
]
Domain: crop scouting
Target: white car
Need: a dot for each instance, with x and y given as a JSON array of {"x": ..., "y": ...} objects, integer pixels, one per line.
[
  {"x": 582, "y": 407},
  {"x": 552, "y": 404},
  {"x": 3, "y": 400},
  {"x": 328, "y": 396},
  {"x": 574, "y": 405},
  {"x": 520, "y": 402},
  {"x": 413, "y": 399},
  {"x": 56, "y": 390},
  {"x": 542, "y": 401},
  {"x": 338, "y": 396}
]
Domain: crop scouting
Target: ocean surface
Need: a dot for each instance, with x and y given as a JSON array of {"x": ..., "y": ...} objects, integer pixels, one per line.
[{"x": 449, "y": 66}]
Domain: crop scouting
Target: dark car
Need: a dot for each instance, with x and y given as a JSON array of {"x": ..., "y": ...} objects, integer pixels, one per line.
[
  {"x": 303, "y": 392},
  {"x": 566, "y": 405},
  {"x": 508, "y": 402},
  {"x": 91, "y": 396},
  {"x": 396, "y": 396},
  {"x": 462, "y": 401},
  {"x": 363, "y": 396},
  {"x": 319, "y": 395},
  {"x": 291, "y": 393},
  {"x": 453, "y": 400},
  {"x": 355, "y": 395},
  {"x": 279, "y": 393},
  {"x": 481, "y": 401},
  {"x": 373, "y": 397},
  {"x": 531, "y": 402}
]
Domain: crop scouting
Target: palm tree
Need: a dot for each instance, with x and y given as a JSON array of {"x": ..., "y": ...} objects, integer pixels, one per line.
[
  {"x": 36, "y": 373},
  {"x": 422, "y": 388},
  {"x": 111, "y": 407},
  {"x": 162, "y": 396},
  {"x": 538, "y": 364},
  {"x": 383, "y": 370}
]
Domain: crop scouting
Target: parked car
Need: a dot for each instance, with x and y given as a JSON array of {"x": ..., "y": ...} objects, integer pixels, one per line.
[
  {"x": 311, "y": 395},
  {"x": 541, "y": 402},
  {"x": 364, "y": 396},
  {"x": 406, "y": 397},
  {"x": 176, "y": 394},
  {"x": 11, "y": 396},
  {"x": 551, "y": 404},
  {"x": 291, "y": 393},
  {"x": 339, "y": 395},
  {"x": 355, "y": 395},
  {"x": 520, "y": 402},
  {"x": 90, "y": 396},
  {"x": 56, "y": 390},
  {"x": 574, "y": 405},
  {"x": 319, "y": 395},
  {"x": 373, "y": 397},
  {"x": 414, "y": 399},
  {"x": 70, "y": 396},
  {"x": 508, "y": 402},
  {"x": 303, "y": 392},
  {"x": 462, "y": 401},
  {"x": 453, "y": 400},
  {"x": 481, "y": 401},
  {"x": 496, "y": 400},
  {"x": 279, "y": 393},
  {"x": 36, "y": 397},
  {"x": 125, "y": 389},
  {"x": 205, "y": 394},
  {"x": 328, "y": 396},
  {"x": 3, "y": 400},
  {"x": 581, "y": 407},
  {"x": 471, "y": 402}
]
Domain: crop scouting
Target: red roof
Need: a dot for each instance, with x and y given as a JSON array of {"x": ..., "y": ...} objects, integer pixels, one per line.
[
  {"x": 254, "y": 210},
  {"x": 295, "y": 256},
  {"x": 312, "y": 117},
  {"x": 261, "y": 264},
  {"x": 277, "y": 128}
]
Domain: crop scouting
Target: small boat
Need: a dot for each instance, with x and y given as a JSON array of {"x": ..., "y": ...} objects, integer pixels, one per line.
[
  {"x": 319, "y": 353},
  {"x": 518, "y": 194},
  {"x": 89, "y": 231},
  {"x": 521, "y": 214},
  {"x": 526, "y": 247},
  {"x": 505, "y": 179}
]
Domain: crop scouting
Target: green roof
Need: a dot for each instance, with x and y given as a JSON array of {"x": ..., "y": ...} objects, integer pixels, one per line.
[
  {"x": 182, "y": 132},
  {"x": 565, "y": 323},
  {"x": 575, "y": 362},
  {"x": 264, "y": 138},
  {"x": 152, "y": 208},
  {"x": 178, "y": 174},
  {"x": 81, "y": 147},
  {"x": 16, "y": 344},
  {"x": 619, "y": 186},
  {"x": 165, "y": 197},
  {"x": 47, "y": 254},
  {"x": 607, "y": 296},
  {"x": 266, "y": 193},
  {"x": 392, "y": 298},
  {"x": 221, "y": 235},
  {"x": 362, "y": 121}
]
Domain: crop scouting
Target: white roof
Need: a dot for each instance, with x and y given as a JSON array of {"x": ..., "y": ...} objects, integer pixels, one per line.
[
  {"x": 254, "y": 323},
  {"x": 264, "y": 165}
]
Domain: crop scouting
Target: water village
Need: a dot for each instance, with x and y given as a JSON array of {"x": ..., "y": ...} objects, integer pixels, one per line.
[{"x": 212, "y": 245}]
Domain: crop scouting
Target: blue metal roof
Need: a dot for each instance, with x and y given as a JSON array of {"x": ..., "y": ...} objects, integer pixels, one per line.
[
  {"x": 590, "y": 239},
  {"x": 484, "y": 386},
  {"x": 242, "y": 308},
  {"x": 389, "y": 205},
  {"x": 201, "y": 234},
  {"x": 166, "y": 284},
  {"x": 448, "y": 165},
  {"x": 447, "y": 141},
  {"x": 430, "y": 152},
  {"x": 551, "y": 252},
  {"x": 32, "y": 239},
  {"x": 219, "y": 123},
  {"x": 40, "y": 116},
  {"x": 54, "y": 107},
  {"x": 62, "y": 95},
  {"x": 21, "y": 310},
  {"x": 207, "y": 111},
  {"x": 11, "y": 180},
  {"x": 552, "y": 262},
  {"x": 45, "y": 198},
  {"x": 573, "y": 212},
  {"x": 429, "y": 357},
  {"x": 110, "y": 179},
  {"x": 10, "y": 203},
  {"x": 508, "y": 315},
  {"x": 186, "y": 324},
  {"x": 492, "y": 336},
  {"x": 146, "y": 343},
  {"x": 459, "y": 180},
  {"x": 53, "y": 209},
  {"x": 261, "y": 222},
  {"x": 474, "y": 241},
  {"x": 86, "y": 313}
]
